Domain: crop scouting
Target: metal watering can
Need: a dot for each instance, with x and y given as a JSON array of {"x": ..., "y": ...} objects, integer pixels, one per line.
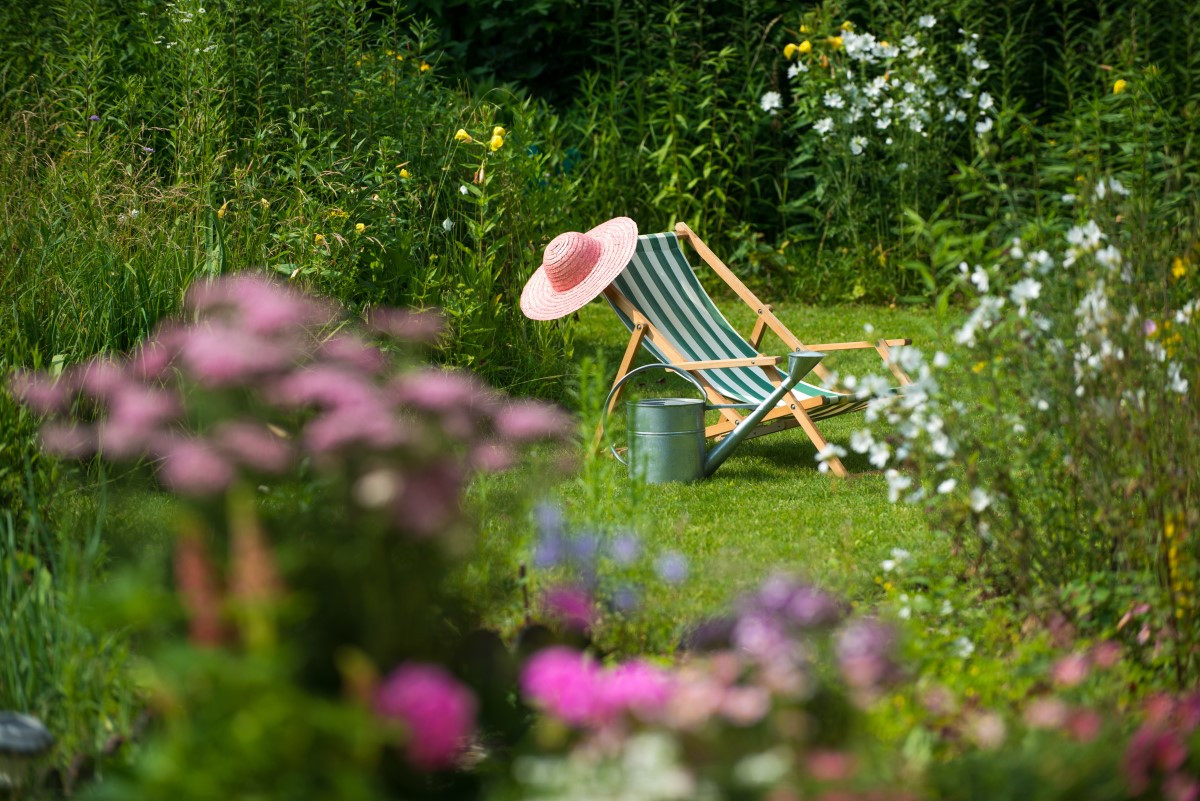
[{"x": 666, "y": 435}]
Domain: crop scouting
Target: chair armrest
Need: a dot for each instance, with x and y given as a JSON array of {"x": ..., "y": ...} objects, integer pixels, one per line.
[
  {"x": 713, "y": 364},
  {"x": 891, "y": 343}
]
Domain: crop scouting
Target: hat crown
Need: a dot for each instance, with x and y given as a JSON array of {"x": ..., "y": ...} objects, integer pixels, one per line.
[{"x": 569, "y": 258}]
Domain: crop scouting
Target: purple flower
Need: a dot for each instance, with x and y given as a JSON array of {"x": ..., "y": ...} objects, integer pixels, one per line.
[
  {"x": 762, "y": 636},
  {"x": 625, "y": 548},
  {"x": 437, "y": 711},
  {"x": 491, "y": 457},
  {"x": 864, "y": 654},
  {"x": 563, "y": 682},
  {"x": 672, "y": 567},
  {"x": 94, "y": 118},
  {"x": 38, "y": 391},
  {"x": 1149, "y": 327},
  {"x": 147, "y": 149},
  {"x": 193, "y": 466}
]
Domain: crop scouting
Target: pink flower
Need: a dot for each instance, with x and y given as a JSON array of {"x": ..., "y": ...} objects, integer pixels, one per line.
[
  {"x": 564, "y": 683},
  {"x": 864, "y": 654},
  {"x": 436, "y": 390},
  {"x": 1106, "y": 654},
  {"x": 253, "y": 445},
  {"x": 429, "y": 500},
  {"x": 437, "y": 710},
  {"x": 406, "y": 325},
  {"x": 193, "y": 466},
  {"x": 491, "y": 457},
  {"x": 1152, "y": 751},
  {"x": 69, "y": 440},
  {"x": 745, "y": 705},
  {"x": 1046, "y": 713},
  {"x": 1071, "y": 670},
  {"x": 1084, "y": 725},
  {"x": 100, "y": 378},
  {"x": 262, "y": 306},
  {"x": 830, "y": 766},
  {"x": 636, "y": 687},
  {"x": 218, "y": 355},
  {"x": 350, "y": 349},
  {"x": 330, "y": 386},
  {"x": 38, "y": 391},
  {"x": 529, "y": 420},
  {"x": 135, "y": 413},
  {"x": 361, "y": 425},
  {"x": 571, "y": 605}
]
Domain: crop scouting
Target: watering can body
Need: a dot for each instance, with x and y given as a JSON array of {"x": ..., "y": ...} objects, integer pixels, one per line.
[{"x": 666, "y": 435}]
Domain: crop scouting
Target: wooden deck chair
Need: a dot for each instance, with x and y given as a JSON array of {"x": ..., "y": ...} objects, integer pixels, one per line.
[{"x": 666, "y": 310}]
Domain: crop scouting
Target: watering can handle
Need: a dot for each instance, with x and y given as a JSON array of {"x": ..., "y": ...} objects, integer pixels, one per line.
[{"x": 682, "y": 374}]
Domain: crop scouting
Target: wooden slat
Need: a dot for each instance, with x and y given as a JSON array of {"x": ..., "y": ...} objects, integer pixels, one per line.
[{"x": 857, "y": 345}]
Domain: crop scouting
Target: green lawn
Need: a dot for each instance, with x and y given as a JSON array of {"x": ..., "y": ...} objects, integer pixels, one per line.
[{"x": 767, "y": 509}]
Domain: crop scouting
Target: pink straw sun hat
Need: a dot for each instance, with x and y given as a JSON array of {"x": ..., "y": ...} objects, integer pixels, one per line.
[{"x": 577, "y": 267}]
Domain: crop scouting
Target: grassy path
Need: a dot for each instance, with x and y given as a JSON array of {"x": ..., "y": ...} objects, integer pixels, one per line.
[{"x": 767, "y": 509}]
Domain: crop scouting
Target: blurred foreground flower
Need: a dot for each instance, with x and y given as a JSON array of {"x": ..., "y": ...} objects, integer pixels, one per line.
[{"x": 437, "y": 711}]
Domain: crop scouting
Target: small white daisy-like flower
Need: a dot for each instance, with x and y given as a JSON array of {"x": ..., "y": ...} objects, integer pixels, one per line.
[
  {"x": 980, "y": 63},
  {"x": 858, "y": 144},
  {"x": 462, "y": 189},
  {"x": 985, "y": 101},
  {"x": 447, "y": 224},
  {"x": 771, "y": 101},
  {"x": 823, "y": 126},
  {"x": 983, "y": 126},
  {"x": 927, "y": 21}
]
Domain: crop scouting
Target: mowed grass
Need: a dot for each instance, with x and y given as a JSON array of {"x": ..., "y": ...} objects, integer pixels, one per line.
[{"x": 768, "y": 509}]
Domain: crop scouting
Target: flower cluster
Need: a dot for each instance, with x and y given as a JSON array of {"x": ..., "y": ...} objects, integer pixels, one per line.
[
  {"x": 287, "y": 383},
  {"x": 865, "y": 91},
  {"x": 436, "y": 710}
]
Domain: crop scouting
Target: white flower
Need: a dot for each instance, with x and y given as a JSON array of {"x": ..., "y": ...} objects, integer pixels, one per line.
[
  {"x": 1177, "y": 382},
  {"x": 858, "y": 144},
  {"x": 965, "y": 94},
  {"x": 980, "y": 63},
  {"x": 447, "y": 224},
  {"x": 980, "y": 500},
  {"x": 462, "y": 189},
  {"x": 1109, "y": 257},
  {"x": 980, "y": 279},
  {"x": 888, "y": 565},
  {"x": 964, "y": 647},
  {"x": 940, "y": 359},
  {"x": 927, "y": 21},
  {"x": 796, "y": 68},
  {"x": 834, "y": 100},
  {"x": 897, "y": 483},
  {"x": 770, "y": 101},
  {"x": 880, "y": 453},
  {"x": 883, "y": 122},
  {"x": 1117, "y": 187},
  {"x": 1087, "y": 236},
  {"x": 983, "y": 126},
  {"x": 947, "y": 486},
  {"x": 861, "y": 440},
  {"x": 827, "y": 453},
  {"x": 985, "y": 101},
  {"x": 900, "y": 554},
  {"x": 133, "y": 213},
  {"x": 823, "y": 126},
  {"x": 1068, "y": 198},
  {"x": 1024, "y": 291}
]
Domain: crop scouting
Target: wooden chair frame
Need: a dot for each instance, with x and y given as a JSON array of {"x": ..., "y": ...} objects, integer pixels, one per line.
[{"x": 778, "y": 419}]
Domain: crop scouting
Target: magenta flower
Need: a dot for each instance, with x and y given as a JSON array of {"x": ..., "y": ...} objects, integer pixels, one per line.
[
  {"x": 437, "y": 711},
  {"x": 1152, "y": 751},
  {"x": 571, "y": 605},
  {"x": 636, "y": 687},
  {"x": 218, "y": 355},
  {"x": 564, "y": 683}
]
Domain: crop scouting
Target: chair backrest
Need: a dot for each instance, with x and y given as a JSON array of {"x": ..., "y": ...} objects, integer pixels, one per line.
[{"x": 661, "y": 284}]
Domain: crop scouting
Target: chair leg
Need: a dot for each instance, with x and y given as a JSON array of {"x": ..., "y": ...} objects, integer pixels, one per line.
[
  {"x": 814, "y": 436},
  {"x": 635, "y": 341},
  {"x": 885, "y": 353}
]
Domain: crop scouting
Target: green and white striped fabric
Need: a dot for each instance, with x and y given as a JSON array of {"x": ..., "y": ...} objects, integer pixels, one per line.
[{"x": 661, "y": 284}]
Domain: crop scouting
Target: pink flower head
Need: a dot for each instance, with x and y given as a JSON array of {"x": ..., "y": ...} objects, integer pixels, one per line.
[
  {"x": 1106, "y": 654},
  {"x": 151, "y": 360},
  {"x": 864, "y": 654},
  {"x": 491, "y": 457},
  {"x": 429, "y": 500},
  {"x": 1149, "y": 327},
  {"x": 827, "y": 765},
  {"x": 1152, "y": 751},
  {"x": 261, "y": 306},
  {"x": 218, "y": 355},
  {"x": 100, "y": 378},
  {"x": 1084, "y": 725},
  {"x": 330, "y": 386},
  {"x": 563, "y": 682},
  {"x": 636, "y": 687},
  {"x": 134, "y": 415},
  {"x": 193, "y": 466},
  {"x": 435, "y": 390},
  {"x": 437, "y": 710},
  {"x": 1071, "y": 670},
  {"x": 1046, "y": 713},
  {"x": 370, "y": 426},
  {"x": 38, "y": 391},
  {"x": 571, "y": 605},
  {"x": 69, "y": 440},
  {"x": 253, "y": 445},
  {"x": 351, "y": 350},
  {"x": 407, "y": 325},
  {"x": 527, "y": 421}
]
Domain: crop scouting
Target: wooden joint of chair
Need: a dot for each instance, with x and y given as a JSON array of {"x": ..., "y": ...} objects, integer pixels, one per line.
[{"x": 716, "y": 364}]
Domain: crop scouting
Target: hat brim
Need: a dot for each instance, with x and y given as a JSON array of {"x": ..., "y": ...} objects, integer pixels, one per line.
[{"x": 618, "y": 240}]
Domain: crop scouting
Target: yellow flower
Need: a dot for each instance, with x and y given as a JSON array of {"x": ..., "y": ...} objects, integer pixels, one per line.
[
  {"x": 805, "y": 46},
  {"x": 1119, "y": 86},
  {"x": 404, "y": 174},
  {"x": 499, "y": 131},
  {"x": 790, "y": 50},
  {"x": 496, "y": 143},
  {"x": 462, "y": 136},
  {"x": 390, "y": 52},
  {"x": 836, "y": 41},
  {"x": 319, "y": 239},
  {"x": 266, "y": 204},
  {"x": 803, "y": 29},
  {"x": 425, "y": 66},
  {"x": 847, "y": 25},
  {"x": 1178, "y": 268},
  {"x": 399, "y": 57},
  {"x": 979, "y": 367},
  {"x": 359, "y": 228},
  {"x": 221, "y": 211},
  {"x": 338, "y": 214}
]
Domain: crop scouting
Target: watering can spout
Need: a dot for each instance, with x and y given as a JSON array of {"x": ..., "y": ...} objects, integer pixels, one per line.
[{"x": 800, "y": 364}]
